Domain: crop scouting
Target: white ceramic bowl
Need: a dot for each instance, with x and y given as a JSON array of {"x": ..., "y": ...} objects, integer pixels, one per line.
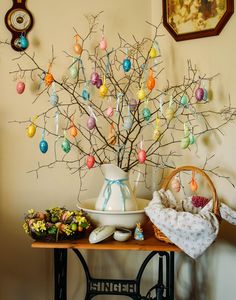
[{"x": 126, "y": 219}]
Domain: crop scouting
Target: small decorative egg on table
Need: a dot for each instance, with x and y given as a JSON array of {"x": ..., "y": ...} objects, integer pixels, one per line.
[{"x": 138, "y": 233}]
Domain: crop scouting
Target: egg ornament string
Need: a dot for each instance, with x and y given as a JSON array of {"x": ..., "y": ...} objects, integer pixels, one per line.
[
  {"x": 77, "y": 46},
  {"x": 43, "y": 145}
]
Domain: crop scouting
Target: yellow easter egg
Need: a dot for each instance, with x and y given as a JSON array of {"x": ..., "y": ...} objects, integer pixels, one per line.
[
  {"x": 156, "y": 134},
  {"x": 153, "y": 52},
  {"x": 103, "y": 90},
  {"x": 141, "y": 94},
  {"x": 169, "y": 114},
  {"x": 31, "y": 130}
]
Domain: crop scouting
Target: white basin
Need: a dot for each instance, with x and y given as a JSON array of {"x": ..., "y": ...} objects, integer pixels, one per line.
[{"x": 126, "y": 219}]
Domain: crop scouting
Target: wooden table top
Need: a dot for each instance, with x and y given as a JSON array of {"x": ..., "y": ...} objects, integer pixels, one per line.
[{"x": 150, "y": 243}]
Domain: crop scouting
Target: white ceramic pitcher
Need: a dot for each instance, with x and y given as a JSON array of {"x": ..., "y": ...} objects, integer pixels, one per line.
[{"x": 116, "y": 193}]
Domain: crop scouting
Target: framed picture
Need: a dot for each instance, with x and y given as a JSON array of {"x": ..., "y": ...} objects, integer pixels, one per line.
[{"x": 190, "y": 19}]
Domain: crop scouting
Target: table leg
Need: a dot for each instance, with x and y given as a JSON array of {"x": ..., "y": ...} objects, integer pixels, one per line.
[
  {"x": 60, "y": 274},
  {"x": 172, "y": 275}
]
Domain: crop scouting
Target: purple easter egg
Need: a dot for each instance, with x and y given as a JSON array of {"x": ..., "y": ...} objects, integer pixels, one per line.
[
  {"x": 99, "y": 83},
  {"x": 94, "y": 78},
  {"x": 91, "y": 123},
  {"x": 199, "y": 94},
  {"x": 133, "y": 104}
]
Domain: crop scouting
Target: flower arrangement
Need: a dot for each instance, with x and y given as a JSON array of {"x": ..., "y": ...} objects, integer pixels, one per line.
[{"x": 55, "y": 224}]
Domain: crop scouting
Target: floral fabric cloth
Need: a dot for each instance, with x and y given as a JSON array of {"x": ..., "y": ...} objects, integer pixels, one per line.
[{"x": 191, "y": 229}]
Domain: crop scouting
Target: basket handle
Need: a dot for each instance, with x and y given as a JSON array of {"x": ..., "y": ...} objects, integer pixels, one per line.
[{"x": 216, "y": 204}]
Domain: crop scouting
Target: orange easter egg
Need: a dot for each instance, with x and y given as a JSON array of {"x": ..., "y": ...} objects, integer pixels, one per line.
[
  {"x": 48, "y": 79},
  {"x": 73, "y": 131}
]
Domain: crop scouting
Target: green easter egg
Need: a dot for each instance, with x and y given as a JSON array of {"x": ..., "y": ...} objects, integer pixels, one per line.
[
  {"x": 185, "y": 142},
  {"x": 65, "y": 146},
  {"x": 192, "y": 139},
  {"x": 184, "y": 100},
  {"x": 146, "y": 114}
]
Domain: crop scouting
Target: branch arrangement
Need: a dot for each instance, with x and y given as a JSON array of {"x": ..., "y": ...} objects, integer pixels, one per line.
[{"x": 109, "y": 108}]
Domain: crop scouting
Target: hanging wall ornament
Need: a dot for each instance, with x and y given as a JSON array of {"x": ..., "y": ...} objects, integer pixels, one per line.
[
  {"x": 91, "y": 122},
  {"x": 73, "y": 68},
  {"x": 48, "y": 76},
  {"x": 192, "y": 139},
  {"x": 77, "y": 46},
  {"x": 112, "y": 135},
  {"x": 110, "y": 110},
  {"x": 103, "y": 90},
  {"x": 151, "y": 81},
  {"x": 90, "y": 160},
  {"x": 156, "y": 132},
  {"x": 128, "y": 122},
  {"x": 141, "y": 94},
  {"x": 94, "y": 78},
  {"x": 142, "y": 156},
  {"x": 20, "y": 87},
  {"x": 72, "y": 129},
  {"x": 85, "y": 92},
  {"x": 43, "y": 145},
  {"x": 185, "y": 142}
]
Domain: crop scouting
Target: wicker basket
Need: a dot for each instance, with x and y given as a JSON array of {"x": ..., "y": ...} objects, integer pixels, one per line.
[{"x": 216, "y": 206}]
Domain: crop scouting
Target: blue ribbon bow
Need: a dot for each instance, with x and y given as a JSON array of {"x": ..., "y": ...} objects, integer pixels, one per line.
[{"x": 123, "y": 188}]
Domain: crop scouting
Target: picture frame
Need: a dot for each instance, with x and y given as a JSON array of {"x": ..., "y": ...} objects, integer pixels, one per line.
[{"x": 191, "y": 19}]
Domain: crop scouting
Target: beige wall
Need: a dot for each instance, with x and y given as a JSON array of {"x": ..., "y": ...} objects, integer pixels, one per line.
[{"x": 26, "y": 273}]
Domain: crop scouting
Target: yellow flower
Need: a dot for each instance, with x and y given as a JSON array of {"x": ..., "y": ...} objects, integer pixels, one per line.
[
  {"x": 39, "y": 226},
  {"x": 31, "y": 211},
  {"x": 26, "y": 227}
]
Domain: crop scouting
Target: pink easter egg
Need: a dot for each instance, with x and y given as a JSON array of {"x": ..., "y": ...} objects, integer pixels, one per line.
[
  {"x": 110, "y": 111},
  {"x": 90, "y": 161},
  {"x": 91, "y": 123},
  {"x": 20, "y": 87},
  {"x": 94, "y": 78},
  {"x": 175, "y": 184},
  {"x": 142, "y": 156},
  {"x": 199, "y": 94},
  {"x": 103, "y": 44}
]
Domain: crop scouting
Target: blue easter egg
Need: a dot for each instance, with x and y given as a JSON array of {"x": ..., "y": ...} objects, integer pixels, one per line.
[
  {"x": 126, "y": 65},
  {"x": 54, "y": 99},
  {"x": 128, "y": 122},
  {"x": 85, "y": 95},
  {"x": 24, "y": 42},
  {"x": 43, "y": 146},
  {"x": 205, "y": 96},
  {"x": 146, "y": 114},
  {"x": 184, "y": 100},
  {"x": 65, "y": 146}
]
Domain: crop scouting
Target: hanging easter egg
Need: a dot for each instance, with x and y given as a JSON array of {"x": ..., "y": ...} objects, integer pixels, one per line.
[
  {"x": 205, "y": 96},
  {"x": 73, "y": 71},
  {"x": 156, "y": 134},
  {"x": 85, "y": 95},
  {"x": 184, "y": 100},
  {"x": 153, "y": 53},
  {"x": 48, "y": 79},
  {"x": 199, "y": 94},
  {"x": 192, "y": 139},
  {"x": 99, "y": 83},
  {"x": 91, "y": 123},
  {"x": 103, "y": 44},
  {"x": 90, "y": 160},
  {"x": 175, "y": 184},
  {"x": 94, "y": 78},
  {"x": 31, "y": 129},
  {"x": 142, "y": 156},
  {"x": 169, "y": 114},
  {"x": 111, "y": 138},
  {"x": 23, "y": 42},
  {"x": 193, "y": 185},
  {"x": 133, "y": 104},
  {"x": 109, "y": 111},
  {"x": 65, "y": 146},
  {"x": 103, "y": 90},
  {"x": 185, "y": 142},
  {"x": 128, "y": 122},
  {"x": 146, "y": 114},
  {"x": 20, "y": 87},
  {"x": 73, "y": 131},
  {"x": 43, "y": 146},
  {"x": 186, "y": 131},
  {"x": 141, "y": 94},
  {"x": 151, "y": 81},
  {"x": 78, "y": 48},
  {"x": 126, "y": 64},
  {"x": 54, "y": 99}
]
